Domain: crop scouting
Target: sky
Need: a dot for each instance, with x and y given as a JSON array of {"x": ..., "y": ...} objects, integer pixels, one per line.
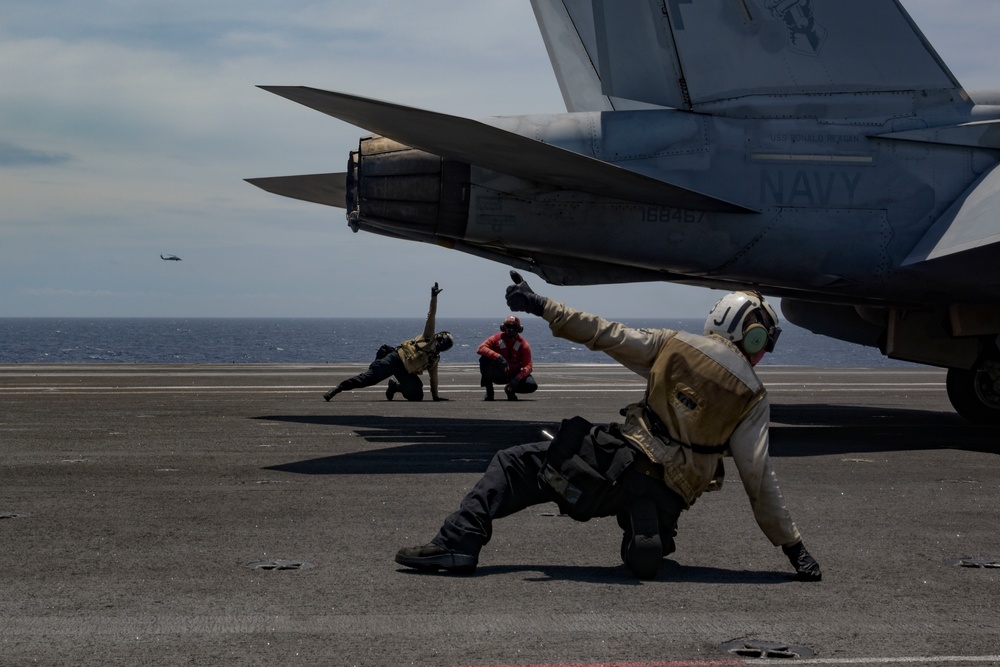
[{"x": 127, "y": 128}]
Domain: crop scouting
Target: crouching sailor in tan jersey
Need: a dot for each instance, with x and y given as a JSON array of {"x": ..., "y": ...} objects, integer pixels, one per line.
[
  {"x": 703, "y": 401},
  {"x": 402, "y": 365}
]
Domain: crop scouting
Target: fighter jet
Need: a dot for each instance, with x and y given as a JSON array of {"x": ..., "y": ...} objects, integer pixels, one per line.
[
  {"x": 171, "y": 258},
  {"x": 817, "y": 150}
]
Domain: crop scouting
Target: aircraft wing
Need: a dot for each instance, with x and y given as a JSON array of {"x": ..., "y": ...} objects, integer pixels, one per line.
[
  {"x": 689, "y": 54},
  {"x": 498, "y": 150},
  {"x": 326, "y": 189}
]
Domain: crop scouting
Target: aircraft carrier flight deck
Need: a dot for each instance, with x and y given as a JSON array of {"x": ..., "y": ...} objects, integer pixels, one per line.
[{"x": 227, "y": 514}]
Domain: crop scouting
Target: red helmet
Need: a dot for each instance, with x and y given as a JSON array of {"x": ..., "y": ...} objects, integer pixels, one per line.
[{"x": 511, "y": 325}]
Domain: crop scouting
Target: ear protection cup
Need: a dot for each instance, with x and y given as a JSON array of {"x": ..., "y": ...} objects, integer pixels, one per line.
[{"x": 754, "y": 338}]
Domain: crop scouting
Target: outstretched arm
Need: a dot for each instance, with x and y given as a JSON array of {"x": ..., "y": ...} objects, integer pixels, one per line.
[
  {"x": 636, "y": 349},
  {"x": 431, "y": 313}
]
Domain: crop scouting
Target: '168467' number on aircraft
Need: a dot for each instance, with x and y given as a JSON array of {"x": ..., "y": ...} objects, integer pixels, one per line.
[{"x": 656, "y": 214}]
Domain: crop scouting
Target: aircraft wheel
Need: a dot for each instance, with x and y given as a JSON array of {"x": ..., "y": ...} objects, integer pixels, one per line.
[{"x": 975, "y": 393}]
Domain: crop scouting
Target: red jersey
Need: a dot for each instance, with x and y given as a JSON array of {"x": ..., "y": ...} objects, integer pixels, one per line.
[{"x": 515, "y": 350}]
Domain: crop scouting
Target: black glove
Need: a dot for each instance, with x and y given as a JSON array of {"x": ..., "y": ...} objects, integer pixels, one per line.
[
  {"x": 502, "y": 361},
  {"x": 436, "y": 290},
  {"x": 521, "y": 298},
  {"x": 806, "y": 567}
]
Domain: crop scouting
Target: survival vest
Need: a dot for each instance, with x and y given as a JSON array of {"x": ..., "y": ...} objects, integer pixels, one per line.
[
  {"x": 419, "y": 354},
  {"x": 700, "y": 388}
]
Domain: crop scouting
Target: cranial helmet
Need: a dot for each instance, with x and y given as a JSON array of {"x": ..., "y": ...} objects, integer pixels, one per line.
[
  {"x": 512, "y": 324},
  {"x": 746, "y": 319},
  {"x": 444, "y": 340}
]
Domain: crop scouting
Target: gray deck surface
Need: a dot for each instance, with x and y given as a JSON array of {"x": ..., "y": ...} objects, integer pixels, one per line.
[{"x": 134, "y": 499}]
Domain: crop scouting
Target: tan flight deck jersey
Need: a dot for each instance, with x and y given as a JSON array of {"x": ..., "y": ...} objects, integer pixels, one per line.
[
  {"x": 420, "y": 353},
  {"x": 706, "y": 393}
]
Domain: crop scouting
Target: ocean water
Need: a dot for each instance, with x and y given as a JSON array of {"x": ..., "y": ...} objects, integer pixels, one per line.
[{"x": 341, "y": 340}]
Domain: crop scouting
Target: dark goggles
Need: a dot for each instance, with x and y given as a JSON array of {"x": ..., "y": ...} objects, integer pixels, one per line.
[{"x": 772, "y": 338}]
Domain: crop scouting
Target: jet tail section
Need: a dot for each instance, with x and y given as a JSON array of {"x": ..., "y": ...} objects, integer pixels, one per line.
[
  {"x": 709, "y": 55},
  {"x": 498, "y": 150}
]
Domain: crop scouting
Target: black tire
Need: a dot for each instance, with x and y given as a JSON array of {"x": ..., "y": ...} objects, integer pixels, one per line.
[{"x": 975, "y": 393}]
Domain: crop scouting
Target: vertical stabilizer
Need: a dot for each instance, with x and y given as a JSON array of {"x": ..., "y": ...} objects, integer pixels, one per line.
[
  {"x": 567, "y": 28},
  {"x": 698, "y": 54},
  {"x": 636, "y": 53}
]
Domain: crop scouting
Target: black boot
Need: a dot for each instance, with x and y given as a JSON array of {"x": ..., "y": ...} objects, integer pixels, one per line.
[
  {"x": 391, "y": 390},
  {"x": 433, "y": 557},
  {"x": 333, "y": 392}
]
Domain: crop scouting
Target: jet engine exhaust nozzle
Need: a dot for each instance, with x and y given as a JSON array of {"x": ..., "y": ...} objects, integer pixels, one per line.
[{"x": 393, "y": 187}]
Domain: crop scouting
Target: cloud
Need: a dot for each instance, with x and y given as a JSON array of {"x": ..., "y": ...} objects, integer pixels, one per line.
[
  {"x": 57, "y": 292},
  {"x": 12, "y": 155}
]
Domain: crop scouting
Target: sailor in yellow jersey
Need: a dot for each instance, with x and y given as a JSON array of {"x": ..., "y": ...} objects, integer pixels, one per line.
[{"x": 404, "y": 364}]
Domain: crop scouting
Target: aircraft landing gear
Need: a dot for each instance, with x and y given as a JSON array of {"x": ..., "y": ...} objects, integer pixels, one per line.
[{"x": 975, "y": 392}]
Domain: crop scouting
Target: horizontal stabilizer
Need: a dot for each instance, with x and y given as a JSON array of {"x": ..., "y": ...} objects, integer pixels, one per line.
[
  {"x": 498, "y": 150},
  {"x": 970, "y": 223},
  {"x": 326, "y": 189}
]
